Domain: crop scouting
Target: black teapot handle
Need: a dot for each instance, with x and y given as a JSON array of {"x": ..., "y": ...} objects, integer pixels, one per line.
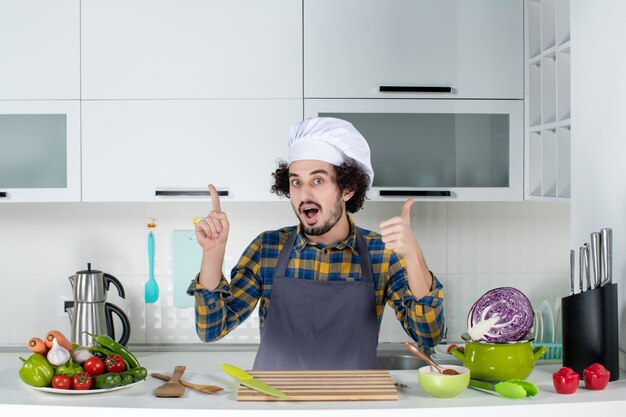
[
  {"x": 109, "y": 310},
  {"x": 108, "y": 279}
]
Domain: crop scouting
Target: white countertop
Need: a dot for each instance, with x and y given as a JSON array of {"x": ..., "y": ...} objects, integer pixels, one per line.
[{"x": 16, "y": 398}]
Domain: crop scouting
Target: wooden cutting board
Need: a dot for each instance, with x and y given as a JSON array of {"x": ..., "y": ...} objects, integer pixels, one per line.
[{"x": 342, "y": 385}]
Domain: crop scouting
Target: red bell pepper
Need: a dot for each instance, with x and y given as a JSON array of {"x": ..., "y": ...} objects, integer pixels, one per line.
[
  {"x": 596, "y": 377},
  {"x": 565, "y": 380}
]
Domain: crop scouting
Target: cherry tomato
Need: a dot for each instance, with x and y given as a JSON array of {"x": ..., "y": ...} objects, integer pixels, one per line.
[
  {"x": 82, "y": 381},
  {"x": 596, "y": 376},
  {"x": 94, "y": 366},
  {"x": 62, "y": 382},
  {"x": 114, "y": 363},
  {"x": 565, "y": 380}
]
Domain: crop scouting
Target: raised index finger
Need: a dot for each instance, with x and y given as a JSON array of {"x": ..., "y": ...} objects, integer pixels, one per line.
[{"x": 215, "y": 198}]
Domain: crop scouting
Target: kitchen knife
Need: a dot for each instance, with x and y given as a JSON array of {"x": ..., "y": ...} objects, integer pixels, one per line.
[
  {"x": 581, "y": 268},
  {"x": 587, "y": 270},
  {"x": 606, "y": 240},
  {"x": 595, "y": 260},
  {"x": 248, "y": 380},
  {"x": 572, "y": 274}
]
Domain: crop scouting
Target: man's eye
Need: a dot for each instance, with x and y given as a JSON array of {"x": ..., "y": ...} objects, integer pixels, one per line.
[
  {"x": 318, "y": 181},
  {"x": 295, "y": 183}
]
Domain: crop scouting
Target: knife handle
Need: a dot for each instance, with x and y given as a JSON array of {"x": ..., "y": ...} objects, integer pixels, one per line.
[{"x": 606, "y": 238}]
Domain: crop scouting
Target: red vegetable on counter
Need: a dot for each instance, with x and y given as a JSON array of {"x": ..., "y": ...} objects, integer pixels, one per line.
[
  {"x": 596, "y": 377},
  {"x": 565, "y": 380}
]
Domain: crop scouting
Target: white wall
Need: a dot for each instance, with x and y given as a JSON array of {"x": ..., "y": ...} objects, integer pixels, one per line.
[
  {"x": 598, "y": 65},
  {"x": 471, "y": 247}
]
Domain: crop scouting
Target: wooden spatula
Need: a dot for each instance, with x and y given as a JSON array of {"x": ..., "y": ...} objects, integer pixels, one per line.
[
  {"x": 207, "y": 389},
  {"x": 172, "y": 388}
]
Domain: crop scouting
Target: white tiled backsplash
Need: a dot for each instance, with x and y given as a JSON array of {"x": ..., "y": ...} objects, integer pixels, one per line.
[{"x": 471, "y": 247}]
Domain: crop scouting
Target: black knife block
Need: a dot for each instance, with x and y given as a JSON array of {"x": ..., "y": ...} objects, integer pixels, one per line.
[{"x": 590, "y": 330}]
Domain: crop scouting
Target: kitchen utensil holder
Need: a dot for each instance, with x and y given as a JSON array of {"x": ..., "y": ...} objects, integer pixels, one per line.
[{"x": 590, "y": 330}]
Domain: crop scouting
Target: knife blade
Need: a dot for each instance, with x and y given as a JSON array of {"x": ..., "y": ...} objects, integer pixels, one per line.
[
  {"x": 586, "y": 263},
  {"x": 606, "y": 249},
  {"x": 572, "y": 273},
  {"x": 596, "y": 266},
  {"x": 581, "y": 268},
  {"x": 249, "y": 381}
]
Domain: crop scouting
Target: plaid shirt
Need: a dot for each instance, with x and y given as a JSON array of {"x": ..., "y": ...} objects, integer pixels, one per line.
[{"x": 221, "y": 310}]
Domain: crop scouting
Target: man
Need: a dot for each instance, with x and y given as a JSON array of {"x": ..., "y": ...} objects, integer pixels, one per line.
[{"x": 322, "y": 284}]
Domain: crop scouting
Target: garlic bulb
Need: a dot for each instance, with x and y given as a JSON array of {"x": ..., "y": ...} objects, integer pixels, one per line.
[
  {"x": 58, "y": 355},
  {"x": 80, "y": 355}
]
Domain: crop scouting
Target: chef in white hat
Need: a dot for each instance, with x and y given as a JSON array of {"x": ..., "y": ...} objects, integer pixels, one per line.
[{"x": 322, "y": 284}]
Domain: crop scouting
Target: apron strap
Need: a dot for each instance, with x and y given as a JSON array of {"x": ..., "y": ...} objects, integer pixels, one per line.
[{"x": 364, "y": 256}]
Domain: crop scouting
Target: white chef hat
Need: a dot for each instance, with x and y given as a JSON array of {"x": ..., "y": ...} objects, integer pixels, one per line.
[{"x": 330, "y": 140}]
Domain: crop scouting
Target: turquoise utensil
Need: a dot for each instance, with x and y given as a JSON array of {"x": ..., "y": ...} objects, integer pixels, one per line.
[{"x": 151, "y": 290}]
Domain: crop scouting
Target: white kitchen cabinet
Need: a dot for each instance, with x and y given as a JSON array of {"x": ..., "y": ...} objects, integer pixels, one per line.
[
  {"x": 182, "y": 49},
  {"x": 439, "y": 150},
  {"x": 548, "y": 110},
  {"x": 136, "y": 149},
  {"x": 352, "y": 48},
  {"x": 39, "y": 49},
  {"x": 39, "y": 151}
]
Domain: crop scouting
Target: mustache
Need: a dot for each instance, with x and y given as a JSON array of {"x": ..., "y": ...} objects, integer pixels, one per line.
[{"x": 319, "y": 207}]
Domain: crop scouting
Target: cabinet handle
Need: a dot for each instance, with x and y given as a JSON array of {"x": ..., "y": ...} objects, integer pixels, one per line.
[
  {"x": 3, "y": 194},
  {"x": 413, "y": 89},
  {"x": 188, "y": 193},
  {"x": 415, "y": 193}
]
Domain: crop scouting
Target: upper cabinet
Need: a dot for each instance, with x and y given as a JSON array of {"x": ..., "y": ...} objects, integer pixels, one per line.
[
  {"x": 190, "y": 49},
  {"x": 548, "y": 124},
  {"x": 39, "y": 150},
  {"x": 168, "y": 150},
  {"x": 414, "y": 49},
  {"x": 39, "y": 49}
]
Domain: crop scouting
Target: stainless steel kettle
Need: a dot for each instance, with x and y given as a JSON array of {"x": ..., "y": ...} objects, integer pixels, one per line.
[{"x": 89, "y": 312}]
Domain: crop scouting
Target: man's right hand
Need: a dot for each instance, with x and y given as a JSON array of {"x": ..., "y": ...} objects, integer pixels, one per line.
[{"x": 212, "y": 231}]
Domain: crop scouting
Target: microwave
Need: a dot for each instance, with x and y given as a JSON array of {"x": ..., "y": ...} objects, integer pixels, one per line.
[{"x": 437, "y": 150}]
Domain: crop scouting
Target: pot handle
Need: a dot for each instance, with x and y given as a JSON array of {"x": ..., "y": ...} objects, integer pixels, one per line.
[
  {"x": 456, "y": 352},
  {"x": 111, "y": 309},
  {"x": 539, "y": 351}
]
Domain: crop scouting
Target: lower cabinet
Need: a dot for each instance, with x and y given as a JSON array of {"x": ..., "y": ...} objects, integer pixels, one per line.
[{"x": 157, "y": 150}]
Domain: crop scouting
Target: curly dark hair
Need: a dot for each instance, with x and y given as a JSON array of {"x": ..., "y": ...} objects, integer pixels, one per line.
[{"x": 350, "y": 177}]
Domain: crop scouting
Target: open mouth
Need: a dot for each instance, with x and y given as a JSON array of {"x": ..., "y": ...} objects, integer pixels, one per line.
[{"x": 310, "y": 213}]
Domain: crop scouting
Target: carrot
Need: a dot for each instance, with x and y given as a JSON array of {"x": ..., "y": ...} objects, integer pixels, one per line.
[
  {"x": 61, "y": 339},
  {"x": 36, "y": 345}
]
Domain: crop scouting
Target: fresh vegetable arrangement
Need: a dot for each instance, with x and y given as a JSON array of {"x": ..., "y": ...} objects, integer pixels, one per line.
[
  {"x": 500, "y": 315},
  {"x": 56, "y": 362}
]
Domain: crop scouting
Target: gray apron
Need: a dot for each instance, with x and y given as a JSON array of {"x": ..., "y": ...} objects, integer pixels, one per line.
[{"x": 314, "y": 324}]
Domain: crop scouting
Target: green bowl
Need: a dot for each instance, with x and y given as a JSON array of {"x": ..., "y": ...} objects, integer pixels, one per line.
[{"x": 443, "y": 386}]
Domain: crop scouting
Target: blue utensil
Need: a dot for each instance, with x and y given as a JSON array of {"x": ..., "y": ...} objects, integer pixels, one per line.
[{"x": 151, "y": 290}]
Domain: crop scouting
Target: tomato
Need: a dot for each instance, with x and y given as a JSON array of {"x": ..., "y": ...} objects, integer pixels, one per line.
[
  {"x": 62, "y": 381},
  {"x": 565, "y": 380},
  {"x": 114, "y": 363},
  {"x": 94, "y": 366},
  {"x": 82, "y": 381}
]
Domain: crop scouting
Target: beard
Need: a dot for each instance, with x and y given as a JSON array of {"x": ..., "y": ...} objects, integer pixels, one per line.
[{"x": 335, "y": 213}]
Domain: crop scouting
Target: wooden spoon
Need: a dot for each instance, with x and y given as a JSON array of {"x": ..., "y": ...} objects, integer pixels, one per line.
[
  {"x": 172, "y": 388},
  {"x": 207, "y": 389},
  {"x": 417, "y": 352}
]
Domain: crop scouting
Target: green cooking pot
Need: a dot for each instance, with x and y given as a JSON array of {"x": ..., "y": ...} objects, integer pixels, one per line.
[{"x": 499, "y": 361}]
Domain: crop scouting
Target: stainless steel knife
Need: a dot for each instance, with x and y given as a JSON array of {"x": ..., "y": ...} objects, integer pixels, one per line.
[
  {"x": 596, "y": 266},
  {"x": 587, "y": 267},
  {"x": 581, "y": 268},
  {"x": 572, "y": 273},
  {"x": 606, "y": 238}
]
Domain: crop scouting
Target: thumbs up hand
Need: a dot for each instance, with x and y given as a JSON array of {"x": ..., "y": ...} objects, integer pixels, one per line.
[{"x": 397, "y": 233}]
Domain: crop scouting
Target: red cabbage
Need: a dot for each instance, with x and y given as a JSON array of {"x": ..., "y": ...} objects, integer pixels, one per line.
[{"x": 512, "y": 310}]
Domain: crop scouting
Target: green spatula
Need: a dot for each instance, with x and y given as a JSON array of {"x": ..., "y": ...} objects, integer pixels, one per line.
[
  {"x": 248, "y": 380},
  {"x": 513, "y": 388}
]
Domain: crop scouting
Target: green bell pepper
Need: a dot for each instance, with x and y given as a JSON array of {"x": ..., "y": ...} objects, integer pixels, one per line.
[
  {"x": 106, "y": 381},
  {"x": 36, "y": 371},
  {"x": 70, "y": 368}
]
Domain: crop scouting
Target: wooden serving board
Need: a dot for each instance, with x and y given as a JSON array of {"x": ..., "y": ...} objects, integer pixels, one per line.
[{"x": 345, "y": 385}]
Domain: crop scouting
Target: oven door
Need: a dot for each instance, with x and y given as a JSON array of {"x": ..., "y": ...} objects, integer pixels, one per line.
[{"x": 462, "y": 150}]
